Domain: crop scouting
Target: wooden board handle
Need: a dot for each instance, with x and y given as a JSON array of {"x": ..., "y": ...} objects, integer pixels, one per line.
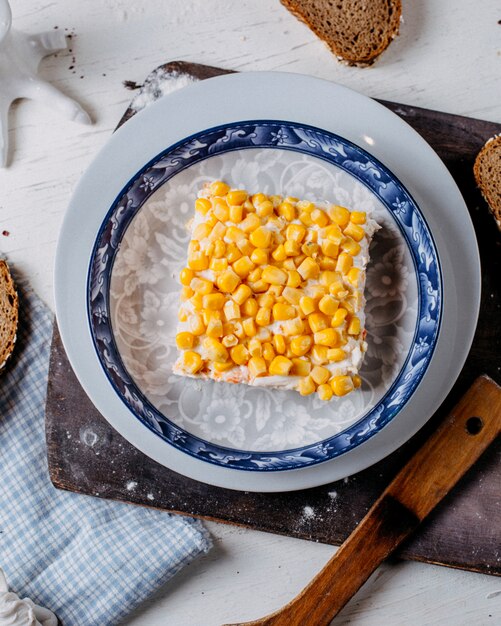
[{"x": 429, "y": 475}]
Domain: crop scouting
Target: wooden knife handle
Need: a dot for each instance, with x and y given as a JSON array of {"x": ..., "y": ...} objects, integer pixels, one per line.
[{"x": 429, "y": 475}]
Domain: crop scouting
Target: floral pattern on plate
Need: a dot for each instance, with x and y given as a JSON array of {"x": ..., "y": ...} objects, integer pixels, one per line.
[{"x": 147, "y": 249}]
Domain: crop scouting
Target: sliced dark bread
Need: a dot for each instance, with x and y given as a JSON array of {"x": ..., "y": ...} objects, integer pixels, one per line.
[
  {"x": 8, "y": 313},
  {"x": 357, "y": 31},
  {"x": 487, "y": 171}
]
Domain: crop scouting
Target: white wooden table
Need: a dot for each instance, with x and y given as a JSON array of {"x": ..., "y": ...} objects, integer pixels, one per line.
[{"x": 448, "y": 57}]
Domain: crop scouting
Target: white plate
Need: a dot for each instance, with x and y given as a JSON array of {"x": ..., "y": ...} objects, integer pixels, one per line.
[{"x": 337, "y": 110}]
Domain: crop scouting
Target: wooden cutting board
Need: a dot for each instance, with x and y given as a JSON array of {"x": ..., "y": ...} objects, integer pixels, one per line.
[{"x": 87, "y": 456}]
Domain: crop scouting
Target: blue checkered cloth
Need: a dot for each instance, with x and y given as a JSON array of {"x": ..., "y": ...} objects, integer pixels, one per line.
[{"x": 88, "y": 560}]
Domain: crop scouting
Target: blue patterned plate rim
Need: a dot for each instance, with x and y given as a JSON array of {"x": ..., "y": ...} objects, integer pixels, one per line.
[{"x": 283, "y": 135}]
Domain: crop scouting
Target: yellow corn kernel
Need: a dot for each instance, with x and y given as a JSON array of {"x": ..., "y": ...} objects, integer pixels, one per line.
[
  {"x": 305, "y": 218},
  {"x": 293, "y": 278},
  {"x": 268, "y": 352},
  {"x": 234, "y": 234},
  {"x": 264, "y": 209},
  {"x": 276, "y": 290},
  {"x": 222, "y": 367},
  {"x": 286, "y": 210},
  {"x": 344, "y": 263},
  {"x": 248, "y": 206},
  {"x": 349, "y": 305},
  {"x": 291, "y": 248},
  {"x": 328, "y": 305},
  {"x": 186, "y": 276},
  {"x": 279, "y": 253},
  {"x": 249, "y": 327},
  {"x": 218, "y": 188},
  {"x": 236, "y": 197},
  {"x": 307, "y": 305},
  {"x": 221, "y": 210},
  {"x": 353, "y": 276},
  {"x": 250, "y": 306},
  {"x": 354, "y": 326},
  {"x": 238, "y": 329},
  {"x": 308, "y": 269},
  {"x": 310, "y": 249},
  {"x": 350, "y": 246},
  {"x": 213, "y": 301},
  {"x": 261, "y": 237},
  {"x": 305, "y": 205},
  {"x": 339, "y": 317},
  {"x": 327, "y": 263},
  {"x": 320, "y": 374},
  {"x": 290, "y": 266},
  {"x": 219, "y": 249},
  {"x": 241, "y": 294},
  {"x": 255, "y": 274},
  {"x": 318, "y": 355},
  {"x": 198, "y": 261},
  {"x": 250, "y": 223},
  {"x": 259, "y": 286},
  {"x": 325, "y": 392},
  {"x": 202, "y": 286},
  {"x": 327, "y": 277},
  {"x": 218, "y": 265},
  {"x": 209, "y": 315},
  {"x": 231, "y": 311},
  {"x": 300, "y": 345},
  {"x": 191, "y": 362},
  {"x": 279, "y": 344},
  {"x": 292, "y": 295},
  {"x": 257, "y": 366},
  {"x": 282, "y": 312},
  {"x": 259, "y": 256},
  {"x": 182, "y": 315},
  {"x": 197, "y": 300},
  {"x": 299, "y": 259},
  {"x": 201, "y": 231},
  {"x": 327, "y": 337},
  {"x": 255, "y": 347},
  {"x": 318, "y": 322},
  {"x": 295, "y": 232},
  {"x": 293, "y": 327},
  {"x": 300, "y": 367},
  {"x": 336, "y": 354},
  {"x": 354, "y": 231},
  {"x": 319, "y": 217},
  {"x": 197, "y": 325},
  {"x": 214, "y": 328},
  {"x": 243, "y": 266},
  {"x": 232, "y": 253},
  {"x": 329, "y": 248},
  {"x": 215, "y": 350},
  {"x": 228, "y": 281},
  {"x": 263, "y": 316},
  {"x": 211, "y": 219},
  {"x": 339, "y": 215},
  {"x": 229, "y": 341},
  {"x": 185, "y": 340},
  {"x": 337, "y": 288},
  {"x": 274, "y": 275},
  {"x": 202, "y": 205},
  {"x": 264, "y": 334},
  {"x": 358, "y": 217},
  {"x": 357, "y": 381},
  {"x": 208, "y": 248},
  {"x": 218, "y": 231},
  {"x": 341, "y": 385},
  {"x": 266, "y": 300},
  {"x": 333, "y": 233},
  {"x": 257, "y": 198},
  {"x": 280, "y": 366},
  {"x": 239, "y": 354},
  {"x": 186, "y": 293},
  {"x": 306, "y": 386},
  {"x": 245, "y": 246}
]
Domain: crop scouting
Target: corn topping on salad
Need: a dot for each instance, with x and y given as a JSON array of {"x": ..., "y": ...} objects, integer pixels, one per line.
[{"x": 273, "y": 292}]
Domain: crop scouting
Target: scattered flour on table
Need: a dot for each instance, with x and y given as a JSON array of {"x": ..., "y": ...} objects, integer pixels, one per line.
[
  {"x": 332, "y": 495},
  {"x": 308, "y": 513},
  {"x": 150, "y": 496},
  {"x": 158, "y": 84},
  {"x": 131, "y": 485}
]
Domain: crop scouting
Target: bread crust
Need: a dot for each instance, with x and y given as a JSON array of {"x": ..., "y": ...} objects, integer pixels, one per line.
[
  {"x": 487, "y": 172},
  {"x": 9, "y": 313},
  {"x": 347, "y": 45}
]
